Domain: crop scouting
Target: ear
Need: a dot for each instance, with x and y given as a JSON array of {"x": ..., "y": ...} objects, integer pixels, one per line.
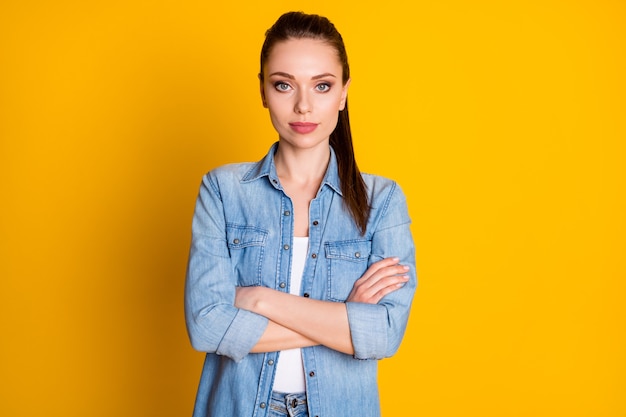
[
  {"x": 344, "y": 95},
  {"x": 262, "y": 89}
]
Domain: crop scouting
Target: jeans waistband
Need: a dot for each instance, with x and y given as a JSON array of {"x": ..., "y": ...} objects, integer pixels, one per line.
[{"x": 289, "y": 400}]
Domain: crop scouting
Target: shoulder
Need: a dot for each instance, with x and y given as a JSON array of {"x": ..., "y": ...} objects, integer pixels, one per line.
[
  {"x": 235, "y": 169},
  {"x": 224, "y": 177},
  {"x": 229, "y": 172},
  {"x": 376, "y": 180},
  {"x": 379, "y": 187},
  {"x": 387, "y": 203},
  {"x": 386, "y": 198}
]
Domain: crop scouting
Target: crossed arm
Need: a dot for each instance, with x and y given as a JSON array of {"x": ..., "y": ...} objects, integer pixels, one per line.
[
  {"x": 300, "y": 322},
  {"x": 224, "y": 319}
]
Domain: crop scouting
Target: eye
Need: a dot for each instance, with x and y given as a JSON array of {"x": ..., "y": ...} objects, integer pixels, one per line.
[
  {"x": 322, "y": 87},
  {"x": 282, "y": 86}
]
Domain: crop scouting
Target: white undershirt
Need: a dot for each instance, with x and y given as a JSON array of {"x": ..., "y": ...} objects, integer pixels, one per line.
[{"x": 289, "y": 376}]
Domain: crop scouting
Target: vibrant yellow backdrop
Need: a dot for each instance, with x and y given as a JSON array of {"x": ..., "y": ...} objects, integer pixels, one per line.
[{"x": 504, "y": 121}]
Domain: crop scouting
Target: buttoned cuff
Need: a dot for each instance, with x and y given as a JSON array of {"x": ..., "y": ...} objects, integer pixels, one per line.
[
  {"x": 368, "y": 329},
  {"x": 243, "y": 333}
]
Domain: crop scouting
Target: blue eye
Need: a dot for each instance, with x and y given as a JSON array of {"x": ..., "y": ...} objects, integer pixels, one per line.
[
  {"x": 323, "y": 87},
  {"x": 281, "y": 86}
]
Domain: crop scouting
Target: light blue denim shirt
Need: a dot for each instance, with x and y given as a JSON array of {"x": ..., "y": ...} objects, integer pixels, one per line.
[{"x": 242, "y": 235}]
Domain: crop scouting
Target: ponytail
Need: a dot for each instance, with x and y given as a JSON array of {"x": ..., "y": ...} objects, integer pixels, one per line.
[{"x": 352, "y": 185}]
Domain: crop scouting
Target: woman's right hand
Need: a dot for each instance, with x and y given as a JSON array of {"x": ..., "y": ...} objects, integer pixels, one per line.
[{"x": 380, "y": 279}]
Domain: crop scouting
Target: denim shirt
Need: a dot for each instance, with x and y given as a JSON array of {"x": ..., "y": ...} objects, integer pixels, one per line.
[{"x": 242, "y": 235}]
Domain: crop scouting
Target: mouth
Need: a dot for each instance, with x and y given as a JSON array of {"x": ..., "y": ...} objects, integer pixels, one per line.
[{"x": 303, "y": 127}]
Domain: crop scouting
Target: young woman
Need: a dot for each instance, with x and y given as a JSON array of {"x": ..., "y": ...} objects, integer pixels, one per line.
[{"x": 301, "y": 269}]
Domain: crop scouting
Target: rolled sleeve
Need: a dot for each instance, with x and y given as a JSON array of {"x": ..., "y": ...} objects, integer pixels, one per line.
[
  {"x": 377, "y": 329},
  {"x": 367, "y": 320},
  {"x": 214, "y": 324},
  {"x": 242, "y": 334}
]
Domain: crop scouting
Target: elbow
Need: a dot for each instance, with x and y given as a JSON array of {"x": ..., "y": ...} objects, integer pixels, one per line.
[
  {"x": 201, "y": 347},
  {"x": 198, "y": 340},
  {"x": 225, "y": 331},
  {"x": 393, "y": 344},
  {"x": 395, "y": 331},
  {"x": 376, "y": 334},
  {"x": 206, "y": 327}
]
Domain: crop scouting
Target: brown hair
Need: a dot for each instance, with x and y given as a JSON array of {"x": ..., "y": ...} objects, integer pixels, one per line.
[{"x": 298, "y": 25}]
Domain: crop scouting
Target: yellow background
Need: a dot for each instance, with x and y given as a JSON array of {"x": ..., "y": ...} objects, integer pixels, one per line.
[{"x": 504, "y": 121}]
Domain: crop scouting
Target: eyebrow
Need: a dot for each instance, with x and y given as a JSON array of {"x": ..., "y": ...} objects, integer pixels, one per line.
[{"x": 291, "y": 77}]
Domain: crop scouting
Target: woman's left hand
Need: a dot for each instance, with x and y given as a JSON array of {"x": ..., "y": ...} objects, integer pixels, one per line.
[{"x": 380, "y": 279}]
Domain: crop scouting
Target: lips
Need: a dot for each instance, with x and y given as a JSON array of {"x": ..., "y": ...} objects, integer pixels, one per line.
[{"x": 303, "y": 127}]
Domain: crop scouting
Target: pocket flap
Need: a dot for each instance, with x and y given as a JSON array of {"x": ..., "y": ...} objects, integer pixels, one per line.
[
  {"x": 349, "y": 250},
  {"x": 239, "y": 236}
]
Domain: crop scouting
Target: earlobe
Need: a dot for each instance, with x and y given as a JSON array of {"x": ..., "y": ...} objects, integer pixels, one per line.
[
  {"x": 342, "y": 103},
  {"x": 344, "y": 95}
]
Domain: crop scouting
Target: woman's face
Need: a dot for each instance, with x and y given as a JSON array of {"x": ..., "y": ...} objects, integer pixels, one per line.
[{"x": 304, "y": 92}]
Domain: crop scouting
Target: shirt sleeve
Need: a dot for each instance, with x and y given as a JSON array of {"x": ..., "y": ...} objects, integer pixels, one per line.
[
  {"x": 214, "y": 324},
  {"x": 378, "y": 329}
]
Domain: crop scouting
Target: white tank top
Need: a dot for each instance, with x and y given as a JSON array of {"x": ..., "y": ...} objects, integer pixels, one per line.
[{"x": 289, "y": 376}]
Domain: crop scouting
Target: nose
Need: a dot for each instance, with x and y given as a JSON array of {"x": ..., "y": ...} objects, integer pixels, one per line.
[{"x": 303, "y": 103}]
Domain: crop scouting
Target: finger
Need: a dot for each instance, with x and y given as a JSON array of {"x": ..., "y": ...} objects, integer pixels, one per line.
[
  {"x": 386, "y": 291},
  {"x": 378, "y": 265},
  {"x": 388, "y": 283},
  {"x": 380, "y": 291},
  {"x": 381, "y": 274}
]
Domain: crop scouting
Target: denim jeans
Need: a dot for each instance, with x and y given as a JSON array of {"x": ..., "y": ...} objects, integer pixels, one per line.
[{"x": 288, "y": 405}]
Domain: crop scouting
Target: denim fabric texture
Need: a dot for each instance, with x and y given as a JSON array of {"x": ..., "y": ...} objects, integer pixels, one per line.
[{"x": 242, "y": 233}]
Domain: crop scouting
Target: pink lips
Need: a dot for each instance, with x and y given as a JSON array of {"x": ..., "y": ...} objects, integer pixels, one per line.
[{"x": 303, "y": 127}]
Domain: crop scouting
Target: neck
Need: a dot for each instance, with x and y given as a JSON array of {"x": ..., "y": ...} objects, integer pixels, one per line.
[{"x": 302, "y": 165}]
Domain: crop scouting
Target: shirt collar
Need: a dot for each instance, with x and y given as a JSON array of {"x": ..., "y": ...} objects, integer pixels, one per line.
[{"x": 266, "y": 168}]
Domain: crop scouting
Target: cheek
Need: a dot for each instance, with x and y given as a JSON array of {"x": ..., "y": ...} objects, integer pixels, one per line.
[
  {"x": 274, "y": 117},
  {"x": 276, "y": 105},
  {"x": 332, "y": 104}
]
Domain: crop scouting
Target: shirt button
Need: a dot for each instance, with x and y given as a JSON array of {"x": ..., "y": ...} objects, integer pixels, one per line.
[
  {"x": 287, "y": 213},
  {"x": 306, "y": 295},
  {"x": 315, "y": 223},
  {"x": 311, "y": 374},
  {"x": 270, "y": 362},
  {"x": 286, "y": 247},
  {"x": 282, "y": 285},
  {"x": 357, "y": 255},
  {"x": 236, "y": 241},
  {"x": 262, "y": 405},
  {"x": 314, "y": 256}
]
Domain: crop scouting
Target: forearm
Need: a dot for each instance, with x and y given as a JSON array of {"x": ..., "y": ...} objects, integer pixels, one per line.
[
  {"x": 322, "y": 322},
  {"x": 277, "y": 337}
]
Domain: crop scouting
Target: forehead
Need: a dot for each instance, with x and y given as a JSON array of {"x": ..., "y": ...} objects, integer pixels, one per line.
[{"x": 303, "y": 55}]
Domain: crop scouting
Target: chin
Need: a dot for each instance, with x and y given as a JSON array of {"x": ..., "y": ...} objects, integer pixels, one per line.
[{"x": 304, "y": 141}]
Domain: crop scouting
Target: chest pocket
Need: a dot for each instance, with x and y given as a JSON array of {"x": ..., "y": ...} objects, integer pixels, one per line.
[
  {"x": 246, "y": 245},
  {"x": 347, "y": 260}
]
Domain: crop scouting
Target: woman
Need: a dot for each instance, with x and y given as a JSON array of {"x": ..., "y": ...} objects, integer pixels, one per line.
[{"x": 301, "y": 269}]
